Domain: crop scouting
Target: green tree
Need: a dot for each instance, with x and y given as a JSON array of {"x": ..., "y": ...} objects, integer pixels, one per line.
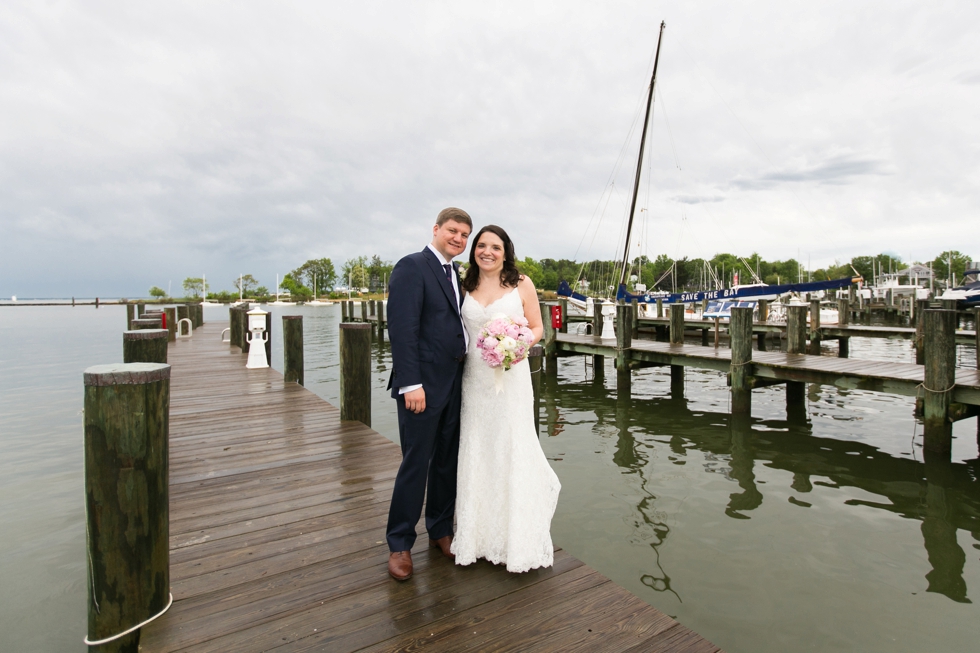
[
  {"x": 157, "y": 292},
  {"x": 261, "y": 291},
  {"x": 317, "y": 271},
  {"x": 533, "y": 270},
  {"x": 246, "y": 284},
  {"x": 296, "y": 289},
  {"x": 378, "y": 273},
  {"x": 941, "y": 267},
  {"x": 355, "y": 272},
  {"x": 193, "y": 286}
]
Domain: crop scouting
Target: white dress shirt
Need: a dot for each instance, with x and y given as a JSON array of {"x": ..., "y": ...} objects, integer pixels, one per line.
[{"x": 456, "y": 289}]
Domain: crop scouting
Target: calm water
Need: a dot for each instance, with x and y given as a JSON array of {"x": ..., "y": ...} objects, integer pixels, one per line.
[{"x": 822, "y": 530}]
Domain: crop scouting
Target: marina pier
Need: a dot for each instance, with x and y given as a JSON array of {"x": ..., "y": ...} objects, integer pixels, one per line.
[{"x": 277, "y": 519}]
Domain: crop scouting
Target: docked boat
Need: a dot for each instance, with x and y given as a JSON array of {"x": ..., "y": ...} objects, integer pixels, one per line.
[{"x": 967, "y": 294}]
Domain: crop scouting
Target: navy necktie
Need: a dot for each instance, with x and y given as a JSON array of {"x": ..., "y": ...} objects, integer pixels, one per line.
[{"x": 449, "y": 271}]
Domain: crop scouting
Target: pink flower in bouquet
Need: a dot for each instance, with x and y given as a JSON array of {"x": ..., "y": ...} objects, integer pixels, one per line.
[{"x": 504, "y": 341}]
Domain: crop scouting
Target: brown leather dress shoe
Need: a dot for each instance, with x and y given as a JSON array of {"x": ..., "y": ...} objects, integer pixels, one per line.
[
  {"x": 400, "y": 565},
  {"x": 443, "y": 544}
]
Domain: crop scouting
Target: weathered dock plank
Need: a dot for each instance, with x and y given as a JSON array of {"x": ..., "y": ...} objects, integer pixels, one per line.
[{"x": 278, "y": 511}]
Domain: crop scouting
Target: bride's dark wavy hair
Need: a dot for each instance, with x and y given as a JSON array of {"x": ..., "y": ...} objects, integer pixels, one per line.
[{"x": 510, "y": 276}]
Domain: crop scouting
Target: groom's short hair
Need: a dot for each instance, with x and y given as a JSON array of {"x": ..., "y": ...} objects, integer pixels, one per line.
[{"x": 457, "y": 215}]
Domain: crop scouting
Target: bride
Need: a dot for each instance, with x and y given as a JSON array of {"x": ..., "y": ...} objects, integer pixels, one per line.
[{"x": 506, "y": 490}]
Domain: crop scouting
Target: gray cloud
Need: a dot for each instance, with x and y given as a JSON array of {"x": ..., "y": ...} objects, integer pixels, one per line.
[
  {"x": 839, "y": 170},
  {"x": 145, "y": 143}
]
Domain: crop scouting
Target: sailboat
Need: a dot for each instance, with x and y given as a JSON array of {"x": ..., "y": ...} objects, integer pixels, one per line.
[
  {"x": 315, "y": 301},
  {"x": 278, "y": 302},
  {"x": 204, "y": 292},
  {"x": 741, "y": 295}
]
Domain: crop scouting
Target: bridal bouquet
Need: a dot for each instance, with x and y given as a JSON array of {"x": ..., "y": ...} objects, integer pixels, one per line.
[{"x": 504, "y": 341}]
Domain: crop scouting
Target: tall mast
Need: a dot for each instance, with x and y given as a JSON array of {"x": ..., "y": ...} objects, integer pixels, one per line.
[{"x": 639, "y": 161}]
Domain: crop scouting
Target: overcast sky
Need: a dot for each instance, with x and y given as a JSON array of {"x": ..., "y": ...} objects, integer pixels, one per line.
[{"x": 141, "y": 143}]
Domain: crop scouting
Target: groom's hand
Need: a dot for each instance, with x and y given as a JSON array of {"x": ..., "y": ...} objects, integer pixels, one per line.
[{"x": 415, "y": 400}]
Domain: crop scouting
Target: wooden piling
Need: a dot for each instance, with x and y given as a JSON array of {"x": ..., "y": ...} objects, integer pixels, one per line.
[
  {"x": 130, "y": 316},
  {"x": 949, "y": 304},
  {"x": 815, "y": 327},
  {"x": 372, "y": 307},
  {"x": 660, "y": 307},
  {"x": 243, "y": 331},
  {"x": 843, "y": 320},
  {"x": 677, "y": 338},
  {"x": 534, "y": 357},
  {"x": 171, "y": 312},
  {"x": 343, "y": 311},
  {"x": 796, "y": 329},
  {"x": 677, "y": 324},
  {"x": 598, "y": 362},
  {"x": 976, "y": 332},
  {"x": 563, "y": 305},
  {"x": 763, "y": 318},
  {"x": 126, "y": 417},
  {"x": 364, "y": 308},
  {"x": 355, "y": 372},
  {"x": 548, "y": 339},
  {"x": 624, "y": 334},
  {"x": 634, "y": 319},
  {"x": 140, "y": 309},
  {"x": 145, "y": 346},
  {"x": 940, "y": 377},
  {"x": 740, "y": 334},
  {"x": 921, "y": 306},
  {"x": 292, "y": 348},
  {"x": 795, "y": 344},
  {"x": 146, "y": 323},
  {"x": 381, "y": 321}
]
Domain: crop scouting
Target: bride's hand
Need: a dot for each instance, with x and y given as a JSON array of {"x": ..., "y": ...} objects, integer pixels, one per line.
[{"x": 415, "y": 400}]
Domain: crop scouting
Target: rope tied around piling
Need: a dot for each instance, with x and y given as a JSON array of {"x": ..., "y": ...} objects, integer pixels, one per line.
[
  {"x": 100, "y": 642},
  {"x": 936, "y": 392}
]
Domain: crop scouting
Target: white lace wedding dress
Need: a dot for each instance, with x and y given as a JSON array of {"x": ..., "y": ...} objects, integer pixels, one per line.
[{"x": 506, "y": 490}]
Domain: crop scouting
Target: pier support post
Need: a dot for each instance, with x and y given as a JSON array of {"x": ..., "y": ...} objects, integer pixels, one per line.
[
  {"x": 548, "y": 340},
  {"x": 598, "y": 361},
  {"x": 127, "y": 502},
  {"x": 976, "y": 338},
  {"x": 563, "y": 306},
  {"x": 624, "y": 340},
  {"x": 147, "y": 323},
  {"x": 815, "y": 327},
  {"x": 343, "y": 311},
  {"x": 660, "y": 307},
  {"x": 145, "y": 346},
  {"x": 372, "y": 307},
  {"x": 171, "y": 312},
  {"x": 949, "y": 304},
  {"x": 843, "y": 321},
  {"x": 624, "y": 334},
  {"x": 243, "y": 330},
  {"x": 740, "y": 333},
  {"x": 381, "y": 321},
  {"x": 940, "y": 377},
  {"x": 634, "y": 319},
  {"x": 534, "y": 357},
  {"x": 364, "y": 315},
  {"x": 183, "y": 313},
  {"x": 921, "y": 306},
  {"x": 355, "y": 372},
  {"x": 677, "y": 338},
  {"x": 795, "y": 344},
  {"x": 140, "y": 309},
  {"x": 130, "y": 316},
  {"x": 292, "y": 348}
]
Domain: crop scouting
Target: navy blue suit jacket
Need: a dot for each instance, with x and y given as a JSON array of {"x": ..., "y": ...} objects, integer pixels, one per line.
[{"x": 424, "y": 328}]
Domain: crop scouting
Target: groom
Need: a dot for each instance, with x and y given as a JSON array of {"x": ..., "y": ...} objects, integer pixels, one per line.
[{"x": 428, "y": 345}]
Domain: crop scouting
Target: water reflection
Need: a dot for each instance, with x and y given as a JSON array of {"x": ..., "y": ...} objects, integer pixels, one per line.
[{"x": 944, "y": 496}]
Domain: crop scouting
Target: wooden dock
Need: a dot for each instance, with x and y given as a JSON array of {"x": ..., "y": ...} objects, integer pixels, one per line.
[
  {"x": 896, "y": 378},
  {"x": 277, "y": 520}
]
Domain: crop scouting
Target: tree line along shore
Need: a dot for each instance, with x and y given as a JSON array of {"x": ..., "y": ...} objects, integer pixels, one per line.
[{"x": 365, "y": 275}]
